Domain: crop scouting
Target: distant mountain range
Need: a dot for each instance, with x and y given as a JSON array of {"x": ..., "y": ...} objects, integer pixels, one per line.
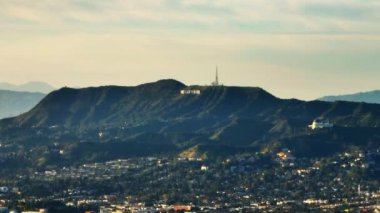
[
  {"x": 368, "y": 97},
  {"x": 169, "y": 117},
  {"x": 34, "y": 86},
  {"x": 14, "y": 103}
]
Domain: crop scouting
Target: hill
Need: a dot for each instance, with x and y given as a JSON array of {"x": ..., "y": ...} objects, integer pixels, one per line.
[
  {"x": 14, "y": 103},
  {"x": 33, "y": 86},
  {"x": 210, "y": 118},
  {"x": 148, "y": 103},
  {"x": 368, "y": 97}
]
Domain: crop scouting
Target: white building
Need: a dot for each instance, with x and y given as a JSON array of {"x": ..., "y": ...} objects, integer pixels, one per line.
[{"x": 320, "y": 124}]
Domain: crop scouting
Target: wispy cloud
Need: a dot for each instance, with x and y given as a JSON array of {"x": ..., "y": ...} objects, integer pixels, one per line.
[
  {"x": 257, "y": 16},
  {"x": 282, "y": 45}
]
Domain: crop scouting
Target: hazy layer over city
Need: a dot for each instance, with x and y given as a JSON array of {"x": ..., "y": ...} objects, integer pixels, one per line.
[{"x": 292, "y": 48}]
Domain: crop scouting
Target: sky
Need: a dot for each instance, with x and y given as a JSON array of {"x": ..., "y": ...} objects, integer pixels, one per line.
[{"x": 292, "y": 48}]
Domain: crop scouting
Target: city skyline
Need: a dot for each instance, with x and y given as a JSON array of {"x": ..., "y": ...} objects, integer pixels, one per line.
[{"x": 290, "y": 48}]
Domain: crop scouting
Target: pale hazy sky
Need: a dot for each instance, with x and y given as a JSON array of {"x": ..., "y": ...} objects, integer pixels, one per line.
[{"x": 292, "y": 48}]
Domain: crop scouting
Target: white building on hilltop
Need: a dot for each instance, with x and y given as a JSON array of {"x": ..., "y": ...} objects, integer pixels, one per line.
[{"x": 320, "y": 124}]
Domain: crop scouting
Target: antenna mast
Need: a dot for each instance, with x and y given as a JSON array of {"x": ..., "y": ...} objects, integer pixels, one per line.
[
  {"x": 216, "y": 82},
  {"x": 216, "y": 77}
]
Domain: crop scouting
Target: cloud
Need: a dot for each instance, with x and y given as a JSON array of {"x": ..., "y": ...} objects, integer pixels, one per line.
[
  {"x": 282, "y": 45},
  {"x": 259, "y": 16},
  {"x": 356, "y": 12}
]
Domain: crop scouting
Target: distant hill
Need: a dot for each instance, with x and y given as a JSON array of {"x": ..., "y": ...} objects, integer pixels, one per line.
[
  {"x": 150, "y": 104},
  {"x": 368, "y": 97},
  {"x": 14, "y": 103},
  {"x": 221, "y": 119},
  {"x": 34, "y": 86}
]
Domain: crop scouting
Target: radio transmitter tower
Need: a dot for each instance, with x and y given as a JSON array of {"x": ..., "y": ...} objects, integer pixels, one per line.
[{"x": 216, "y": 82}]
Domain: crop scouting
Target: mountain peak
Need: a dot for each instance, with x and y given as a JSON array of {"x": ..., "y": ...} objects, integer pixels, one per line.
[{"x": 164, "y": 83}]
